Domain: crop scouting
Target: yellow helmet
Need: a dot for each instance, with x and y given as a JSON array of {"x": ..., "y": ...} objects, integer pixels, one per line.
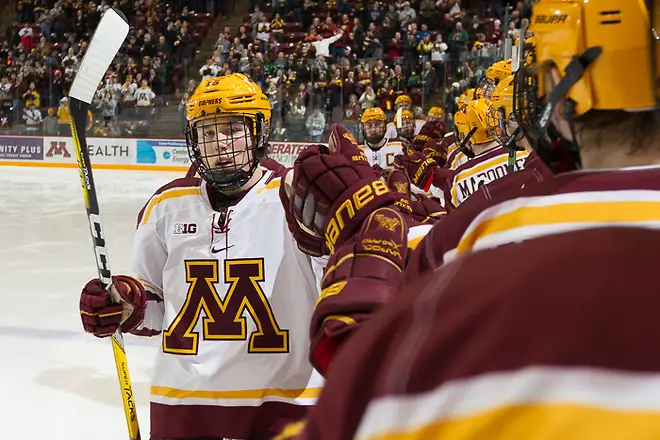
[
  {"x": 373, "y": 125},
  {"x": 228, "y": 122},
  {"x": 483, "y": 127},
  {"x": 461, "y": 124},
  {"x": 436, "y": 113},
  {"x": 574, "y": 34},
  {"x": 468, "y": 96},
  {"x": 373, "y": 114},
  {"x": 499, "y": 70},
  {"x": 403, "y": 99},
  {"x": 494, "y": 75},
  {"x": 503, "y": 95}
]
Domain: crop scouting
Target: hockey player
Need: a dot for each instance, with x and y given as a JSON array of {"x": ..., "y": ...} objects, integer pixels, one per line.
[
  {"x": 435, "y": 114},
  {"x": 219, "y": 245},
  {"x": 404, "y": 102},
  {"x": 378, "y": 148},
  {"x": 494, "y": 74},
  {"x": 545, "y": 328},
  {"x": 490, "y": 158}
]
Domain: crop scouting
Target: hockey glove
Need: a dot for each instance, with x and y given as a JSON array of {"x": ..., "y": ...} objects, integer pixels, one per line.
[
  {"x": 359, "y": 278},
  {"x": 101, "y": 316},
  {"x": 430, "y": 131},
  {"x": 417, "y": 167},
  {"x": 334, "y": 189}
]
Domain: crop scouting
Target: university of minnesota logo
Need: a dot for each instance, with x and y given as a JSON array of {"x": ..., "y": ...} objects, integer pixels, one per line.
[
  {"x": 348, "y": 135},
  {"x": 401, "y": 187},
  {"x": 387, "y": 222}
]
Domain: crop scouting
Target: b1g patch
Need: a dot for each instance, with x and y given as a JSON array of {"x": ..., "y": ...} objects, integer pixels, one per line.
[{"x": 185, "y": 228}]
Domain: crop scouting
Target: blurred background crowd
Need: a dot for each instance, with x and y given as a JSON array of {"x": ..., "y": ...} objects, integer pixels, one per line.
[{"x": 319, "y": 62}]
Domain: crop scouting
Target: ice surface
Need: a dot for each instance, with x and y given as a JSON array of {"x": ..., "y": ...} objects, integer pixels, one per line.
[{"x": 58, "y": 382}]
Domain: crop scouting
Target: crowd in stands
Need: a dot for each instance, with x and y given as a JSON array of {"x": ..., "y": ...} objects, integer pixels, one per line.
[
  {"x": 41, "y": 52},
  {"x": 323, "y": 62},
  {"x": 319, "y": 62}
]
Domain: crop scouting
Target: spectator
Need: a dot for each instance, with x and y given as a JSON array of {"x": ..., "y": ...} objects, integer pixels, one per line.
[
  {"x": 406, "y": 15},
  {"x": 108, "y": 107},
  {"x": 144, "y": 101},
  {"x": 315, "y": 124},
  {"x": 368, "y": 98},
  {"x": 51, "y": 123},
  {"x": 32, "y": 117},
  {"x": 352, "y": 115}
]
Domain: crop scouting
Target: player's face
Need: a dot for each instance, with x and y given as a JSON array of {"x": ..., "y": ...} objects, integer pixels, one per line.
[
  {"x": 225, "y": 143},
  {"x": 405, "y": 105},
  {"x": 407, "y": 126},
  {"x": 433, "y": 118},
  {"x": 374, "y": 129}
]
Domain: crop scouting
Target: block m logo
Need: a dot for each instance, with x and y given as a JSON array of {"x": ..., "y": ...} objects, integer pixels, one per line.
[{"x": 59, "y": 149}]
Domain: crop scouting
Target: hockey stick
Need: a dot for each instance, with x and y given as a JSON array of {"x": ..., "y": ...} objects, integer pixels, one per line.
[{"x": 106, "y": 42}]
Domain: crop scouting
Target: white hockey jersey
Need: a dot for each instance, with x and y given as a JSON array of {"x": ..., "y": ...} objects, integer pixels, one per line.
[
  {"x": 233, "y": 298},
  {"x": 384, "y": 156},
  {"x": 478, "y": 171}
]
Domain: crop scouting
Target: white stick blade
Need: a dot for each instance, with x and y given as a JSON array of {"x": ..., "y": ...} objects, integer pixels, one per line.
[{"x": 106, "y": 42}]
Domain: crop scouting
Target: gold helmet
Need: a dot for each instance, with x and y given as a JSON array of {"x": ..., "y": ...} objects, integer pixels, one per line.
[
  {"x": 503, "y": 95},
  {"x": 501, "y": 113},
  {"x": 467, "y": 96},
  {"x": 403, "y": 101},
  {"x": 494, "y": 75},
  {"x": 228, "y": 124},
  {"x": 478, "y": 122},
  {"x": 373, "y": 125},
  {"x": 435, "y": 113},
  {"x": 596, "y": 47}
]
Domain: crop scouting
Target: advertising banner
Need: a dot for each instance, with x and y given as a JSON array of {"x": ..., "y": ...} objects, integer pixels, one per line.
[
  {"x": 101, "y": 150},
  {"x": 162, "y": 152},
  {"x": 21, "y": 148},
  {"x": 286, "y": 152}
]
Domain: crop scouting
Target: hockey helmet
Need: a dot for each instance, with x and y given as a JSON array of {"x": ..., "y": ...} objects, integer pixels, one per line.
[
  {"x": 576, "y": 38},
  {"x": 373, "y": 125},
  {"x": 403, "y": 101},
  {"x": 228, "y": 124},
  {"x": 435, "y": 114}
]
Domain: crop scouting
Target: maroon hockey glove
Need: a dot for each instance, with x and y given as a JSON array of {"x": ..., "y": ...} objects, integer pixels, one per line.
[
  {"x": 426, "y": 210},
  {"x": 430, "y": 131},
  {"x": 101, "y": 316},
  {"x": 419, "y": 207},
  {"x": 359, "y": 278},
  {"x": 335, "y": 189},
  {"x": 399, "y": 184},
  {"x": 417, "y": 167},
  {"x": 307, "y": 240},
  {"x": 436, "y": 151}
]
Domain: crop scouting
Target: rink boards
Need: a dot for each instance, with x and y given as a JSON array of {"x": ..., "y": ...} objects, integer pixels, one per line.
[{"x": 116, "y": 153}]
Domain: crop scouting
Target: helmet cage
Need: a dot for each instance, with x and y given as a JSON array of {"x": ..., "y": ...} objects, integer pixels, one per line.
[{"x": 229, "y": 168}]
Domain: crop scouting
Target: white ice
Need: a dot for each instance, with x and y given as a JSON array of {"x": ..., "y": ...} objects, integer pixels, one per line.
[{"x": 56, "y": 382}]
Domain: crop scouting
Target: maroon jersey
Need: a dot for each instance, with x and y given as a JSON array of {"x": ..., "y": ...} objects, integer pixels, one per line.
[{"x": 470, "y": 352}]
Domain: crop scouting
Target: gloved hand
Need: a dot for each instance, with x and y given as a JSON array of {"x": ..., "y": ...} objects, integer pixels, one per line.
[
  {"x": 359, "y": 278},
  {"x": 101, "y": 316},
  {"x": 417, "y": 167},
  {"x": 431, "y": 131},
  {"x": 334, "y": 189}
]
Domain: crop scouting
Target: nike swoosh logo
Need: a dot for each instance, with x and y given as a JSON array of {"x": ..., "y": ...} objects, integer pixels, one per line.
[{"x": 215, "y": 251}]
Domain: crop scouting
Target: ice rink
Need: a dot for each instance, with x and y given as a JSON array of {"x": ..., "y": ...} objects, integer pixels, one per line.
[{"x": 56, "y": 381}]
